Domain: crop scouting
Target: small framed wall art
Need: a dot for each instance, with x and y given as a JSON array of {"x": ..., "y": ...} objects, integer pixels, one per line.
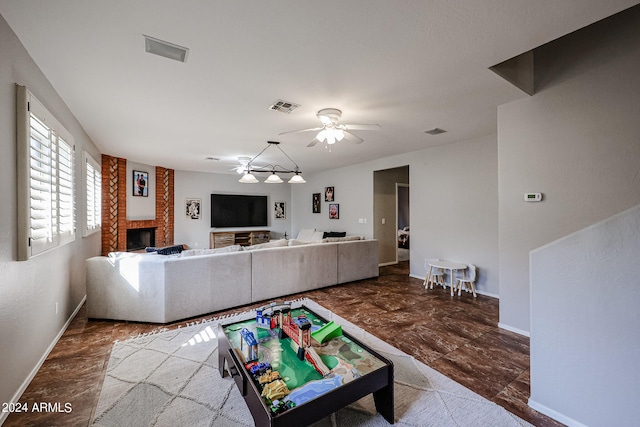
[
  {"x": 334, "y": 211},
  {"x": 329, "y": 195},
  {"x": 193, "y": 208},
  {"x": 279, "y": 211},
  {"x": 140, "y": 183},
  {"x": 315, "y": 204}
]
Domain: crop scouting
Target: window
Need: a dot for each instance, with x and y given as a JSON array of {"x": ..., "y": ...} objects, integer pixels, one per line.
[
  {"x": 46, "y": 204},
  {"x": 93, "y": 195}
]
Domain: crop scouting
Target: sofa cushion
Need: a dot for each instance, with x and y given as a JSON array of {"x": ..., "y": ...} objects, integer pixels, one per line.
[
  {"x": 224, "y": 250},
  {"x": 296, "y": 242},
  {"x": 271, "y": 244},
  {"x": 341, "y": 239}
]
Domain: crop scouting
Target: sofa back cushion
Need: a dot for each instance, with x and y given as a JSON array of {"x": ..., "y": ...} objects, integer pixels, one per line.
[
  {"x": 271, "y": 244},
  {"x": 224, "y": 250}
]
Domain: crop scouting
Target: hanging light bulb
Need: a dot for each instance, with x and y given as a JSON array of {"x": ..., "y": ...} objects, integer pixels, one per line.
[
  {"x": 297, "y": 179},
  {"x": 321, "y": 135},
  {"x": 273, "y": 179},
  {"x": 248, "y": 178},
  {"x": 338, "y": 134},
  {"x": 330, "y": 138}
]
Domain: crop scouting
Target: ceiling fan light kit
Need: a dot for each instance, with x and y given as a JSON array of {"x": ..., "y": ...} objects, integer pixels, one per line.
[
  {"x": 249, "y": 170},
  {"x": 332, "y": 132}
]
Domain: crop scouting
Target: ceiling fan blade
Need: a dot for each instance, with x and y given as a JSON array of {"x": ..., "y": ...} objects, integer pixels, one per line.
[
  {"x": 352, "y": 138},
  {"x": 312, "y": 143},
  {"x": 362, "y": 127},
  {"x": 301, "y": 130}
]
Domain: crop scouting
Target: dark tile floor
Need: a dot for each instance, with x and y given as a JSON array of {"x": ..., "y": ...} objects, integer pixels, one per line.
[{"x": 457, "y": 336}]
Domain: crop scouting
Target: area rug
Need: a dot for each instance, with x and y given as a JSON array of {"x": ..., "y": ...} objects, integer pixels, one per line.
[{"x": 171, "y": 378}]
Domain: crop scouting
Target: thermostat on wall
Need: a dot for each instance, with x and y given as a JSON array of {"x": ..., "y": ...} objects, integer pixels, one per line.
[{"x": 532, "y": 197}]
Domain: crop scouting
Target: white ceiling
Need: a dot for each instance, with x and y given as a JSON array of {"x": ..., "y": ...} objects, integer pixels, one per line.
[{"x": 409, "y": 66}]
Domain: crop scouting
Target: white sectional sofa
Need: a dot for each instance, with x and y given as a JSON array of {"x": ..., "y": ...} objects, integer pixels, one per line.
[{"x": 165, "y": 288}]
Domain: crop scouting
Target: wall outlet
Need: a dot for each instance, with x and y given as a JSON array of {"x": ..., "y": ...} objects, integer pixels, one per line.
[
  {"x": 56, "y": 307},
  {"x": 384, "y": 221}
]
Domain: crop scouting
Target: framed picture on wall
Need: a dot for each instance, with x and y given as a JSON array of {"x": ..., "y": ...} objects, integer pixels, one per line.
[
  {"x": 193, "y": 208},
  {"x": 140, "y": 183},
  {"x": 329, "y": 195},
  {"x": 334, "y": 211},
  {"x": 315, "y": 205},
  {"x": 279, "y": 211}
]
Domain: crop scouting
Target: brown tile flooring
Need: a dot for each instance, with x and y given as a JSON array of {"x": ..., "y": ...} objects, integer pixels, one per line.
[{"x": 457, "y": 336}]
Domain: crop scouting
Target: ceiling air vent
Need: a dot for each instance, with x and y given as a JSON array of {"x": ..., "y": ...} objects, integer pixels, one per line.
[
  {"x": 435, "y": 131},
  {"x": 166, "y": 49},
  {"x": 283, "y": 106}
]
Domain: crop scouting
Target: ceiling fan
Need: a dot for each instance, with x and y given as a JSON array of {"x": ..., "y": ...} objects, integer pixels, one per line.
[{"x": 331, "y": 131}]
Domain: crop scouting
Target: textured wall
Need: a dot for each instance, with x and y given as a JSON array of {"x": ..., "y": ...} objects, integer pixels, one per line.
[
  {"x": 585, "y": 345},
  {"x": 31, "y": 290},
  {"x": 576, "y": 141}
]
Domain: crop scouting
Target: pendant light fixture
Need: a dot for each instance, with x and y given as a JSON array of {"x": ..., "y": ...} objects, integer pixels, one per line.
[{"x": 274, "y": 170}]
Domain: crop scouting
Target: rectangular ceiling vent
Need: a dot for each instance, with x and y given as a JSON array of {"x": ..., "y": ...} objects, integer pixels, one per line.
[
  {"x": 283, "y": 106},
  {"x": 435, "y": 131},
  {"x": 166, "y": 49}
]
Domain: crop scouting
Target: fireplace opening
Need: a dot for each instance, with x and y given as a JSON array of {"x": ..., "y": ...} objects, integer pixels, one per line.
[{"x": 140, "y": 238}]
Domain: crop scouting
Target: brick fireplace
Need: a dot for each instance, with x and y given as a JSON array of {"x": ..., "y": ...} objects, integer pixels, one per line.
[{"x": 114, "y": 207}]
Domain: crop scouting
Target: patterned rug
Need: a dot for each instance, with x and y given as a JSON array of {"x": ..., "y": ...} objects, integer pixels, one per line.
[{"x": 171, "y": 378}]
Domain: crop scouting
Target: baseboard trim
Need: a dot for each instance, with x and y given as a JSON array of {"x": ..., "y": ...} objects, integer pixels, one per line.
[
  {"x": 554, "y": 414},
  {"x": 384, "y": 264},
  {"x": 16, "y": 397},
  {"x": 512, "y": 329}
]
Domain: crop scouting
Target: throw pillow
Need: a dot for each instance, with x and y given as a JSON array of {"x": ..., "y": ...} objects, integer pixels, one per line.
[
  {"x": 317, "y": 236},
  {"x": 306, "y": 234},
  {"x": 334, "y": 234},
  {"x": 167, "y": 250}
]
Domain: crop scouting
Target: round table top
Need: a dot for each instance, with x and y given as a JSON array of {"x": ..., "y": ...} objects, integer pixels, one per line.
[{"x": 449, "y": 265}]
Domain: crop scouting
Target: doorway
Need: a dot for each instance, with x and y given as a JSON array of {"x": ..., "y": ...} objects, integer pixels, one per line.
[
  {"x": 386, "y": 185},
  {"x": 402, "y": 217}
]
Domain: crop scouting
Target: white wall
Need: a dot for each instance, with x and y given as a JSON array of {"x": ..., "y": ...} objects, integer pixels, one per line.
[
  {"x": 29, "y": 290},
  {"x": 454, "y": 208},
  {"x": 585, "y": 345},
  {"x": 576, "y": 141},
  {"x": 454, "y": 204},
  {"x": 195, "y": 233}
]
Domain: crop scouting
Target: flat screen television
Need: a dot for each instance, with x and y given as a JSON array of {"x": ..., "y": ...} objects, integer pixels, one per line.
[{"x": 238, "y": 210}]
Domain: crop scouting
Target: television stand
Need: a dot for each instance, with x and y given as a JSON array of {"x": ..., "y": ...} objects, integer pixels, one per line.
[{"x": 220, "y": 239}]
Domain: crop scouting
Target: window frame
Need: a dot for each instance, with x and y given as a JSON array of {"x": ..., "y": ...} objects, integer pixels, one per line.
[
  {"x": 46, "y": 177},
  {"x": 96, "y": 205}
]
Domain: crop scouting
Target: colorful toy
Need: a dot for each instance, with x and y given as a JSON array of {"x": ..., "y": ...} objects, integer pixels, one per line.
[
  {"x": 279, "y": 406},
  {"x": 275, "y": 390},
  {"x": 328, "y": 331},
  {"x": 248, "y": 345},
  {"x": 266, "y": 316}
]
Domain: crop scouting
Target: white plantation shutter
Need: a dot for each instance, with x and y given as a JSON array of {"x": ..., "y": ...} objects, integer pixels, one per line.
[
  {"x": 93, "y": 190},
  {"x": 41, "y": 187},
  {"x": 66, "y": 226},
  {"x": 46, "y": 205}
]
